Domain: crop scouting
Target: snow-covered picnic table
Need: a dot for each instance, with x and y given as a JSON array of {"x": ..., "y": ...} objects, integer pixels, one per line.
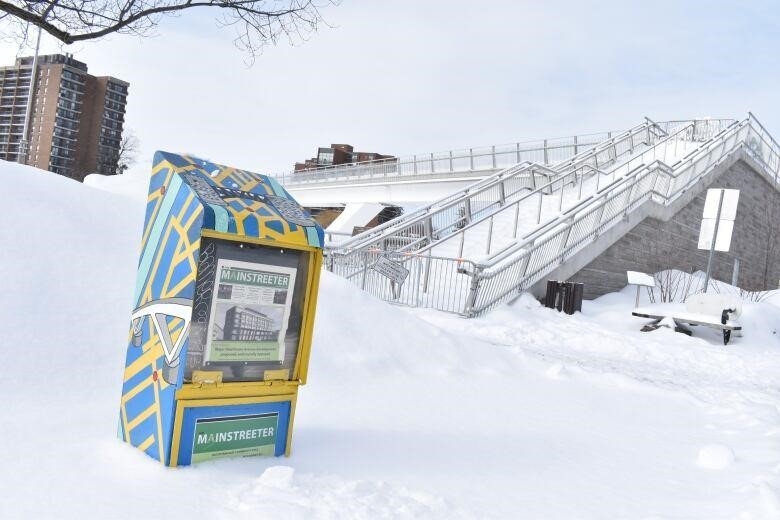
[{"x": 718, "y": 311}]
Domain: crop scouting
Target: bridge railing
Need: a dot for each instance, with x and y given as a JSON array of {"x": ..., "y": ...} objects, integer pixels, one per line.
[
  {"x": 434, "y": 222},
  {"x": 486, "y": 158},
  {"x": 519, "y": 267},
  {"x": 471, "y": 288},
  {"x": 479, "y": 159},
  {"x": 581, "y": 182}
]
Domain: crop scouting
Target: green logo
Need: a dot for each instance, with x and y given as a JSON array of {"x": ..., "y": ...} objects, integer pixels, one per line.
[
  {"x": 246, "y": 436},
  {"x": 256, "y": 278}
]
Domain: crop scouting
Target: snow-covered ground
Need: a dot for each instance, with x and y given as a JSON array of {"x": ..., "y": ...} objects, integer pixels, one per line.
[{"x": 523, "y": 413}]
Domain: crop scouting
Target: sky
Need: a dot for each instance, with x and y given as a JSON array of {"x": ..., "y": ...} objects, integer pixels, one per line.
[{"x": 418, "y": 77}]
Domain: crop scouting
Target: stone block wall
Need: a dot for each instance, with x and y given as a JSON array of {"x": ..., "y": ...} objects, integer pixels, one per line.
[{"x": 654, "y": 245}]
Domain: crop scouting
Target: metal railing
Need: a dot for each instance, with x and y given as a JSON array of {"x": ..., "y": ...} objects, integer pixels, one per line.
[
  {"x": 470, "y": 288},
  {"x": 435, "y": 221},
  {"x": 486, "y": 158},
  {"x": 526, "y": 212},
  {"x": 525, "y": 263},
  {"x": 433, "y": 282}
]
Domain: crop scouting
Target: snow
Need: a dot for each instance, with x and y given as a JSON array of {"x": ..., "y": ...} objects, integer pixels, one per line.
[
  {"x": 716, "y": 456},
  {"x": 522, "y": 413},
  {"x": 355, "y": 214}
]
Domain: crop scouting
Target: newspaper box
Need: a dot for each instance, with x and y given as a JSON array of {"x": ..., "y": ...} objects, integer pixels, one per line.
[{"x": 224, "y": 307}]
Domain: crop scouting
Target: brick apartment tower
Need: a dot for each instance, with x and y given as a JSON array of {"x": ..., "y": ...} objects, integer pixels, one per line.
[{"x": 75, "y": 121}]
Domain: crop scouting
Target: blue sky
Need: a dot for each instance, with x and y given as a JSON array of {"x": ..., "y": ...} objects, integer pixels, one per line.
[{"x": 415, "y": 77}]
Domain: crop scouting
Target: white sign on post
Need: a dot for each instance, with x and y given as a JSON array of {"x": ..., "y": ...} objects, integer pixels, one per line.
[
  {"x": 728, "y": 209},
  {"x": 725, "y": 222},
  {"x": 717, "y": 224},
  {"x": 723, "y": 241}
]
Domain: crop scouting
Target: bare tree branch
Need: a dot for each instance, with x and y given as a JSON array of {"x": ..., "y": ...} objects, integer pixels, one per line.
[{"x": 257, "y": 22}]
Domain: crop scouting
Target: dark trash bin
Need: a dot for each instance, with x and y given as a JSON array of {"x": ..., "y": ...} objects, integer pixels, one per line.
[{"x": 564, "y": 296}]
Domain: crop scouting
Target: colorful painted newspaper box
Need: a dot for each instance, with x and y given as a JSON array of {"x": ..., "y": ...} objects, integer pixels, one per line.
[{"x": 224, "y": 308}]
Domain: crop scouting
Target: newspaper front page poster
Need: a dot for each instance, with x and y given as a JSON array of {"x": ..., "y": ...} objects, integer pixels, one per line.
[{"x": 250, "y": 311}]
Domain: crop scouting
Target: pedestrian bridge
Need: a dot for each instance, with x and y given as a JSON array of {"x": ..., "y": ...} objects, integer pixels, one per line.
[
  {"x": 431, "y": 176},
  {"x": 628, "y": 202}
]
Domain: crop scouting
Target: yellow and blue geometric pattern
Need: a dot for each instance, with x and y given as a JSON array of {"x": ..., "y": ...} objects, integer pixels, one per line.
[{"x": 186, "y": 196}]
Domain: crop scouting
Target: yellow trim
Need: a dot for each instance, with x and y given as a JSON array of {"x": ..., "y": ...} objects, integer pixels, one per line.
[
  {"x": 146, "y": 359},
  {"x": 204, "y": 378},
  {"x": 209, "y": 233},
  {"x": 148, "y": 442},
  {"x": 141, "y": 417},
  {"x": 248, "y": 390},
  {"x": 288, "y": 444},
  {"x": 307, "y": 324},
  {"x": 137, "y": 389},
  {"x": 178, "y": 419},
  {"x": 292, "y": 397},
  {"x": 282, "y": 374}
]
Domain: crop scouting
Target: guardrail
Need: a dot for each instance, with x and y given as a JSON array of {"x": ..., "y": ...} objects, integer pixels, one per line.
[
  {"x": 434, "y": 221},
  {"x": 434, "y": 282},
  {"x": 579, "y": 183},
  {"x": 518, "y": 268},
  {"x": 495, "y": 157},
  {"x": 472, "y": 288}
]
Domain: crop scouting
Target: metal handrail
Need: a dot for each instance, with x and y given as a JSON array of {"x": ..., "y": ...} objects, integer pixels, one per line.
[
  {"x": 553, "y": 222},
  {"x": 709, "y": 154},
  {"x": 444, "y": 163},
  {"x": 576, "y": 174},
  {"x": 691, "y": 158},
  {"x": 470, "y": 288},
  {"x": 517, "y": 150},
  {"x": 445, "y": 202},
  {"x": 377, "y": 234}
]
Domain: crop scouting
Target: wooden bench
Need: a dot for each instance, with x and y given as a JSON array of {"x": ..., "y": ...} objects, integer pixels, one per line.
[{"x": 719, "y": 311}]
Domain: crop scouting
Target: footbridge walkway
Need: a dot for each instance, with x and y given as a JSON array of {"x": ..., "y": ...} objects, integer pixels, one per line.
[{"x": 503, "y": 235}]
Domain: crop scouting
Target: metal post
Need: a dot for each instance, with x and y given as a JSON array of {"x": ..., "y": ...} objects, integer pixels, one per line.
[
  {"x": 471, "y": 159},
  {"x": 735, "y": 273},
  {"x": 539, "y": 213},
  {"x": 427, "y": 272},
  {"x": 490, "y": 235},
  {"x": 428, "y": 225},
  {"x": 576, "y": 151},
  {"x": 560, "y": 199},
  {"x": 433, "y": 168},
  {"x": 494, "y": 156},
  {"x": 365, "y": 271},
  {"x": 471, "y": 299},
  {"x": 21, "y": 156},
  {"x": 546, "y": 158},
  {"x": 451, "y": 160},
  {"x": 518, "y": 152},
  {"x": 417, "y": 281},
  {"x": 712, "y": 246},
  {"x": 517, "y": 218}
]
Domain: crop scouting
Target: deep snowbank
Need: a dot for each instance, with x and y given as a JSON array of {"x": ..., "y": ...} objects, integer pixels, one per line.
[{"x": 524, "y": 413}]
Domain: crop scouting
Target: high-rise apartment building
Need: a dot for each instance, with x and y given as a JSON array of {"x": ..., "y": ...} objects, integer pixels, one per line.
[{"x": 74, "y": 120}]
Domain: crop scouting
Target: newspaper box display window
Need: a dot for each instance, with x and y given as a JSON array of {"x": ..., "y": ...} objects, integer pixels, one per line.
[
  {"x": 247, "y": 311},
  {"x": 224, "y": 309}
]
